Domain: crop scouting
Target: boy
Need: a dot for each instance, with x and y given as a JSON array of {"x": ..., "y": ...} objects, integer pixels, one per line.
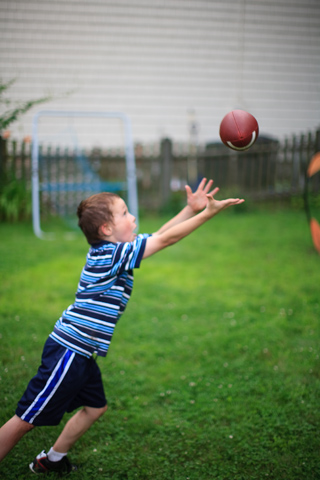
[{"x": 69, "y": 377}]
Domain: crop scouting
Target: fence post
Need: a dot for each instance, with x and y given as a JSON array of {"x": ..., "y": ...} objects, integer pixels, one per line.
[
  {"x": 317, "y": 141},
  {"x": 192, "y": 166},
  {"x": 296, "y": 162},
  {"x": 166, "y": 160},
  {"x": 3, "y": 161},
  {"x": 233, "y": 162}
]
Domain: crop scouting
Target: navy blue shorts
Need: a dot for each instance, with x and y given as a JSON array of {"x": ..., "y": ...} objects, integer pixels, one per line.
[{"x": 65, "y": 381}]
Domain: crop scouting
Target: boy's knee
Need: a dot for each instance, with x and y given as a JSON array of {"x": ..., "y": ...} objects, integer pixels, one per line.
[
  {"x": 95, "y": 413},
  {"x": 103, "y": 410},
  {"x": 29, "y": 427},
  {"x": 22, "y": 425}
]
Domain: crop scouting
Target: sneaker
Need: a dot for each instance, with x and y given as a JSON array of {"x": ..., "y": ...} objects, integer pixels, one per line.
[{"x": 41, "y": 464}]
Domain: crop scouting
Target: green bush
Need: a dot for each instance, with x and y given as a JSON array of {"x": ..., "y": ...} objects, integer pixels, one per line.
[
  {"x": 15, "y": 196},
  {"x": 15, "y": 201}
]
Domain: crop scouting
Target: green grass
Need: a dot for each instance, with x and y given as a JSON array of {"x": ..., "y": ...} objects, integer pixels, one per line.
[{"x": 213, "y": 372}]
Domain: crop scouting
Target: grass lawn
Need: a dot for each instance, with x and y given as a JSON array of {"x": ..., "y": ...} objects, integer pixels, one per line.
[{"x": 213, "y": 371}]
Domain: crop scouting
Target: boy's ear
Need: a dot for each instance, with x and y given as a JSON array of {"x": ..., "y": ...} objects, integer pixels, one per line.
[{"x": 105, "y": 230}]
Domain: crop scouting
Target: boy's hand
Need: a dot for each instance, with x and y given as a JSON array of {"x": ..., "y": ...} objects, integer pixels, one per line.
[
  {"x": 215, "y": 206},
  {"x": 198, "y": 200}
]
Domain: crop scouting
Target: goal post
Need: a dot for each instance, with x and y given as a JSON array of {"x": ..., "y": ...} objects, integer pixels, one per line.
[{"x": 37, "y": 186}]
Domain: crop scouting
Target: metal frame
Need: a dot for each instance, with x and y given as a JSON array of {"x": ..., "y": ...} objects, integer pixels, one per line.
[{"x": 129, "y": 154}]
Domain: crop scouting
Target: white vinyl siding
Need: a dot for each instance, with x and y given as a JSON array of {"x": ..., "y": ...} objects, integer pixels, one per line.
[{"x": 157, "y": 60}]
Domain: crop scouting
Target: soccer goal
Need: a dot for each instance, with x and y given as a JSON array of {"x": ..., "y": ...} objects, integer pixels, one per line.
[{"x": 67, "y": 149}]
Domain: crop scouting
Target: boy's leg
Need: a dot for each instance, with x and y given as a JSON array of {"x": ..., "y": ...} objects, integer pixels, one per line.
[
  {"x": 12, "y": 431},
  {"x": 56, "y": 459},
  {"x": 76, "y": 427},
  {"x": 10, "y": 434}
]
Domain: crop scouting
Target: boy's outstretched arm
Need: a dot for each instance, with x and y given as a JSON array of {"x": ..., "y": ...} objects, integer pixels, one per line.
[
  {"x": 176, "y": 232},
  {"x": 196, "y": 201}
]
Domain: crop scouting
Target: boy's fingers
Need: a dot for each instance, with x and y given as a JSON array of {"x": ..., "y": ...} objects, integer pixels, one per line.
[
  {"x": 202, "y": 183},
  {"x": 236, "y": 201},
  {"x": 208, "y": 186},
  {"x": 227, "y": 201},
  {"x": 214, "y": 191}
]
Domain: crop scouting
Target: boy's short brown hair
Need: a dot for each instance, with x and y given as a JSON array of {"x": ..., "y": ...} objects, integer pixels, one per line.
[{"x": 93, "y": 212}]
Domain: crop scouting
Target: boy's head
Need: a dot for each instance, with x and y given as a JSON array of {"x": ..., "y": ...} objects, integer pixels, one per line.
[{"x": 94, "y": 212}]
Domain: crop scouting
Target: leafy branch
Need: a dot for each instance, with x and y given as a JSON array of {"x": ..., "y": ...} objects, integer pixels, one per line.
[{"x": 12, "y": 114}]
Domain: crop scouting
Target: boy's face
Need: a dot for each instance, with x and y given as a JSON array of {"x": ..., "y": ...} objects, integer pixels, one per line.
[{"x": 123, "y": 224}]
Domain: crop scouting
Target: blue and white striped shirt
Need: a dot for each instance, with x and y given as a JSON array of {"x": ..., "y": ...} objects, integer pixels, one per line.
[{"x": 104, "y": 289}]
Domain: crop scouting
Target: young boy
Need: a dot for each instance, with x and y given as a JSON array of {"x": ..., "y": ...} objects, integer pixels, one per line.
[{"x": 69, "y": 377}]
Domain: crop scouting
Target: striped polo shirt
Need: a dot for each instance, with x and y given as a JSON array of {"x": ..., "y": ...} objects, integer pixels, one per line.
[{"x": 86, "y": 327}]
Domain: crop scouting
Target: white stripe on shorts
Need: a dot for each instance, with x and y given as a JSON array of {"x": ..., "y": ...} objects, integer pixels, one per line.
[{"x": 48, "y": 386}]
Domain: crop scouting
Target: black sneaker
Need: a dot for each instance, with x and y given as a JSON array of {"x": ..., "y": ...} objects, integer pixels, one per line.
[{"x": 41, "y": 464}]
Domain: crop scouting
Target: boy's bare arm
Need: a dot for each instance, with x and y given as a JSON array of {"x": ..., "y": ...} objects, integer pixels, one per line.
[
  {"x": 176, "y": 232},
  {"x": 195, "y": 203}
]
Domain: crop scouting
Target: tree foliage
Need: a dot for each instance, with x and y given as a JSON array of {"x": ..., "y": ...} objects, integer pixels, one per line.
[
  {"x": 15, "y": 200},
  {"x": 11, "y": 111}
]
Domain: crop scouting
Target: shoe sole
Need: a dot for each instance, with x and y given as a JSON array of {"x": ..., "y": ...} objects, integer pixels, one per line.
[{"x": 31, "y": 468}]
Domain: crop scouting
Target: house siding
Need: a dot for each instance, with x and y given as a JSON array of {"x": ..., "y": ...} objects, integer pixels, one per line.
[{"x": 159, "y": 60}]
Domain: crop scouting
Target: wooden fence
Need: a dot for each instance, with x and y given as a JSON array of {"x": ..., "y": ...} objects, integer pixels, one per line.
[{"x": 269, "y": 169}]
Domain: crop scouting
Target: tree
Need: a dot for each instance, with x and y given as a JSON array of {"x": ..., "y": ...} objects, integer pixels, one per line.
[
  {"x": 15, "y": 201},
  {"x": 12, "y": 113}
]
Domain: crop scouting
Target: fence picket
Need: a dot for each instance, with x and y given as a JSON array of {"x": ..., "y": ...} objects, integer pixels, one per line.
[{"x": 267, "y": 169}]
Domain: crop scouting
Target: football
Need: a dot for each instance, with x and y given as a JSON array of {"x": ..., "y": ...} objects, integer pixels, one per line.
[{"x": 239, "y": 130}]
